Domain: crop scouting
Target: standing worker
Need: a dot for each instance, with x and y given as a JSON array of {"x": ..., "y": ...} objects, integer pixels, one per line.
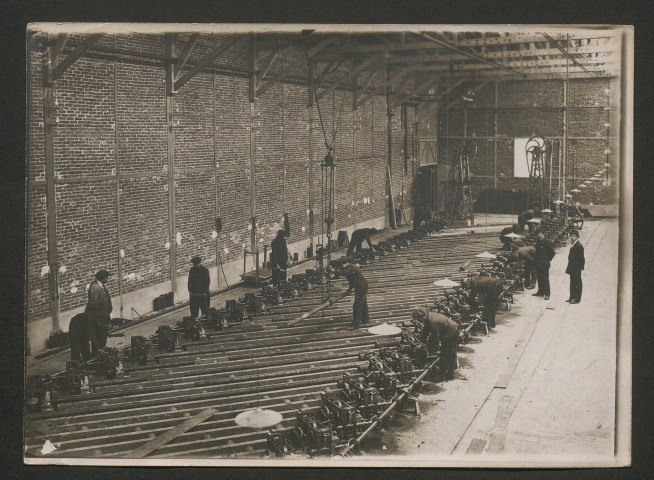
[
  {"x": 198, "y": 287},
  {"x": 88, "y": 331},
  {"x": 576, "y": 263},
  {"x": 438, "y": 328},
  {"x": 527, "y": 254},
  {"x": 279, "y": 257},
  {"x": 542, "y": 257},
  {"x": 490, "y": 288},
  {"x": 358, "y": 236},
  {"x": 359, "y": 284}
]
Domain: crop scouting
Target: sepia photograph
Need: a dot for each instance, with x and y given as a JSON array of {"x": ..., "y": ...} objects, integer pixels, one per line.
[{"x": 316, "y": 245}]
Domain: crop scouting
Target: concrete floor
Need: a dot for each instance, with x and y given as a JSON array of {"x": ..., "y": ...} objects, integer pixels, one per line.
[{"x": 539, "y": 390}]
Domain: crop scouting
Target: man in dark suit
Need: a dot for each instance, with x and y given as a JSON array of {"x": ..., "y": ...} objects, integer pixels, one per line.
[
  {"x": 279, "y": 257},
  {"x": 576, "y": 263},
  {"x": 359, "y": 284},
  {"x": 437, "y": 328},
  {"x": 358, "y": 237},
  {"x": 88, "y": 330},
  {"x": 198, "y": 287},
  {"x": 542, "y": 258}
]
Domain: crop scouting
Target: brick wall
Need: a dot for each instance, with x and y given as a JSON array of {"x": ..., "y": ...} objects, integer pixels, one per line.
[
  {"x": 528, "y": 108},
  {"x": 112, "y": 120}
]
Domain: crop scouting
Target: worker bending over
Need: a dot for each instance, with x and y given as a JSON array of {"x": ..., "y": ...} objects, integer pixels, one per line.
[
  {"x": 527, "y": 255},
  {"x": 437, "y": 328},
  {"x": 359, "y": 284},
  {"x": 358, "y": 236},
  {"x": 527, "y": 215},
  {"x": 490, "y": 288},
  {"x": 507, "y": 241}
]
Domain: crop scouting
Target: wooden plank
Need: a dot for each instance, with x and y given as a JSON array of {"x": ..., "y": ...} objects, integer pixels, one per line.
[
  {"x": 498, "y": 435},
  {"x": 181, "y": 61},
  {"x": 215, "y": 53},
  {"x": 518, "y": 350},
  {"x": 155, "y": 443},
  {"x": 476, "y": 446}
]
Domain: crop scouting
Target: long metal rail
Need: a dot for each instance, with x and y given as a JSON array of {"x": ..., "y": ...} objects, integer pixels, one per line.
[{"x": 266, "y": 363}]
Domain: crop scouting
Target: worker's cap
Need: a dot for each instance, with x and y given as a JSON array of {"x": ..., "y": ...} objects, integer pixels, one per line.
[
  {"x": 419, "y": 312},
  {"x": 282, "y": 233},
  {"x": 195, "y": 260},
  {"x": 574, "y": 232},
  {"x": 465, "y": 282},
  {"x": 102, "y": 274},
  {"x": 373, "y": 231}
]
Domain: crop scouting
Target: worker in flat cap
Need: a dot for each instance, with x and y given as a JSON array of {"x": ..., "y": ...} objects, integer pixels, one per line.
[
  {"x": 437, "y": 328},
  {"x": 576, "y": 263},
  {"x": 279, "y": 257},
  {"x": 490, "y": 289},
  {"x": 358, "y": 283},
  {"x": 358, "y": 237},
  {"x": 88, "y": 331},
  {"x": 198, "y": 287},
  {"x": 542, "y": 257}
]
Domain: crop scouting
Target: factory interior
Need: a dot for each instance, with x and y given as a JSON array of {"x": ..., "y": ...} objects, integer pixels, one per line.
[{"x": 283, "y": 245}]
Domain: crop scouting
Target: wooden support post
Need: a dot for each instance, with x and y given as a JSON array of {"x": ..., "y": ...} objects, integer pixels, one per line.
[
  {"x": 50, "y": 193},
  {"x": 564, "y": 159},
  {"x": 215, "y": 180},
  {"x": 495, "y": 138},
  {"x": 311, "y": 187},
  {"x": 253, "y": 185},
  {"x": 118, "y": 215},
  {"x": 389, "y": 186},
  {"x": 355, "y": 84},
  {"x": 172, "y": 252}
]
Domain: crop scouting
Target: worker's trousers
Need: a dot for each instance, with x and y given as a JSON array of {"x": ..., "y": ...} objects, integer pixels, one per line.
[{"x": 360, "y": 315}]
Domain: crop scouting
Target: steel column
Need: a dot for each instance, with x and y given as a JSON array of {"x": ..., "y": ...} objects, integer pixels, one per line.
[{"x": 495, "y": 138}]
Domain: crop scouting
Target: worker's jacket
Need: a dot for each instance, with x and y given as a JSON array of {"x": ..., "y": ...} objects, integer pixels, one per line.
[
  {"x": 544, "y": 253},
  {"x": 99, "y": 299},
  {"x": 527, "y": 254},
  {"x": 279, "y": 253},
  {"x": 438, "y": 327},
  {"x": 356, "y": 280},
  {"x": 199, "y": 280},
  {"x": 483, "y": 284}
]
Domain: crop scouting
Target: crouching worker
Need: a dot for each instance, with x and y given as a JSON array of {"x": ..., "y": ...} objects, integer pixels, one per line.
[
  {"x": 437, "y": 328},
  {"x": 358, "y": 283},
  {"x": 490, "y": 289},
  {"x": 358, "y": 237}
]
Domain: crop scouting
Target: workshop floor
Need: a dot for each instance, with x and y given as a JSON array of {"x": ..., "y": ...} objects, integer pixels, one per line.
[{"x": 540, "y": 388}]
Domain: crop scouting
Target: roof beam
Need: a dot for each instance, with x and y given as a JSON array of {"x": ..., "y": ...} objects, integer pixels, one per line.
[
  {"x": 349, "y": 76},
  {"x": 181, "y": 61},
  {"x": 516, "y": 38},
  {"x": 471, "y": 55},
  {"x": 215, "y": 53},
  {"x": 59, "y": 46},
  {"x": 559, "y": 47},
  {"x": 396, "y": 76},
  {"x": 73, "y": 56},
  {"x": 503, "y": 54},
  {"x": 287, "y": 71},
  {"x": 267, "y": 63}
]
